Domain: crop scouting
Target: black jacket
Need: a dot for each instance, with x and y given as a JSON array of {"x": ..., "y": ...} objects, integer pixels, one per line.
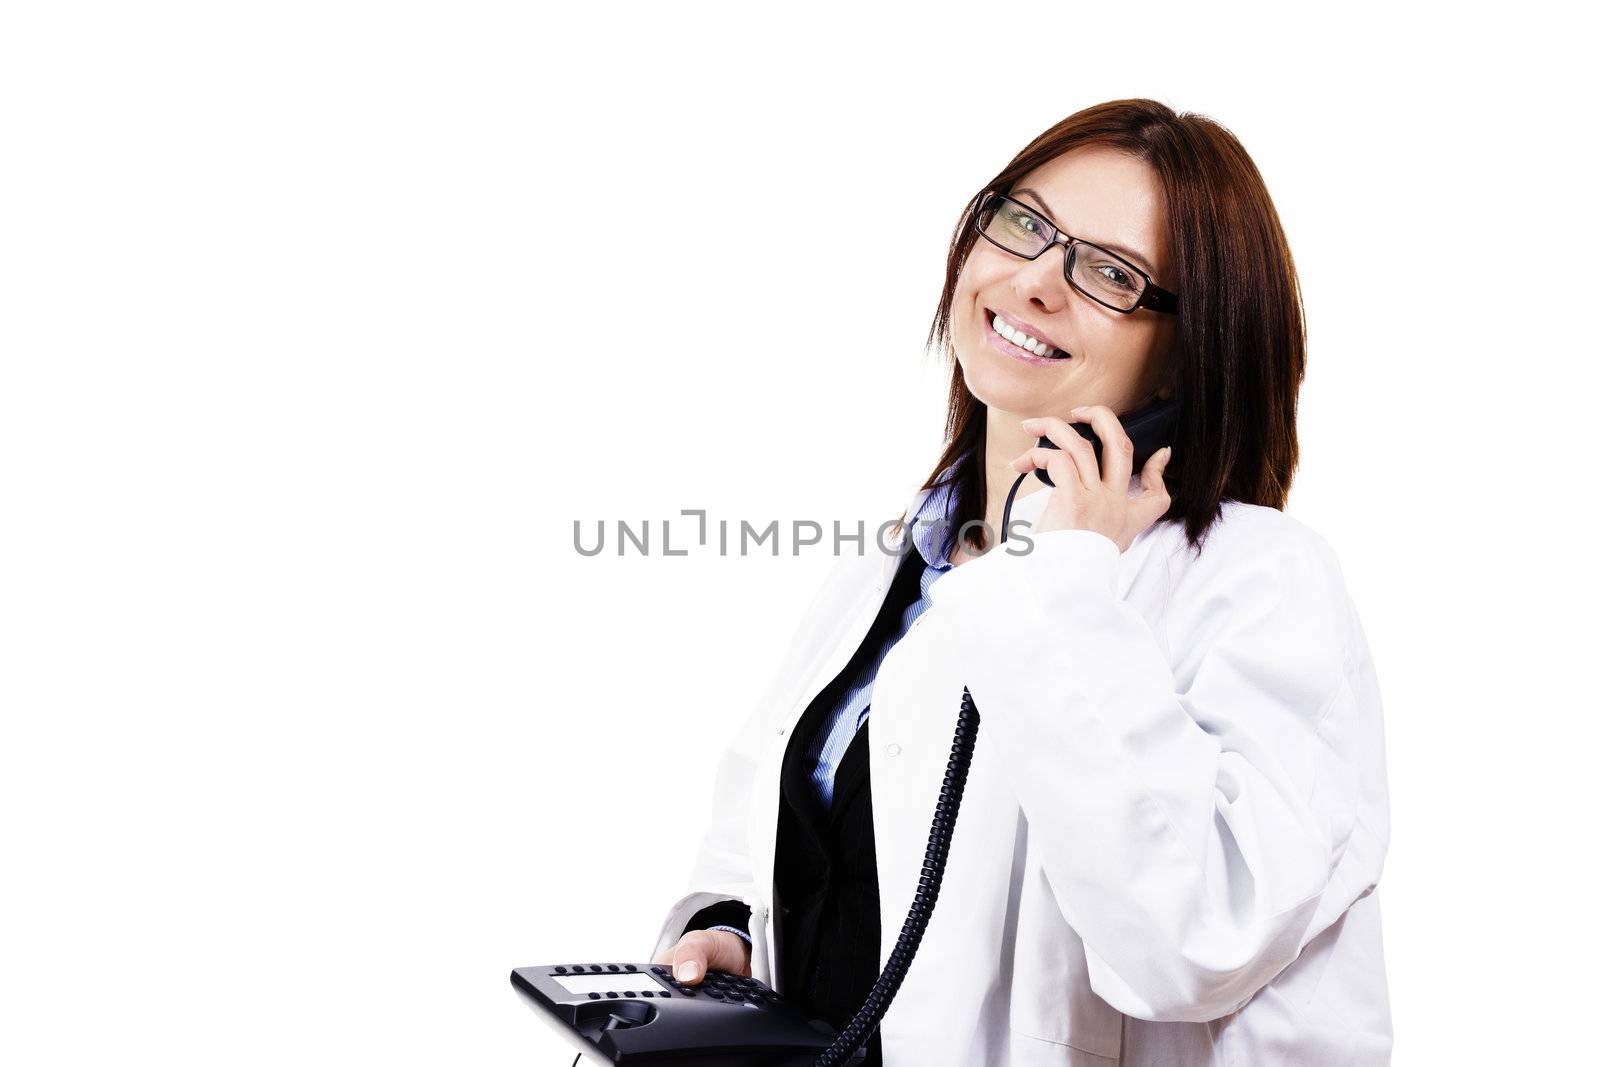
[{"x": 826, "y": 875}]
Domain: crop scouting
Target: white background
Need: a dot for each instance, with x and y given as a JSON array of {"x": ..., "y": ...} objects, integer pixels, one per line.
[{"x": 323, "y": 322}]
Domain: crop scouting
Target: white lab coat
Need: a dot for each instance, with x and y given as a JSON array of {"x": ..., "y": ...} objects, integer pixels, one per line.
[{"x": 1176, "y": 814}]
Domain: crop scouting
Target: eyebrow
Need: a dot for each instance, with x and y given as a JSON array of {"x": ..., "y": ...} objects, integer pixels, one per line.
[{"x": 1130, "y": 253}]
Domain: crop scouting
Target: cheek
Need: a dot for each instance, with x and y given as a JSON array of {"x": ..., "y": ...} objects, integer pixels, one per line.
[
  {"x": 1121, "y": 358},
  {"x": 963, "y": 302},
  {"x": 981, "y": 273}
]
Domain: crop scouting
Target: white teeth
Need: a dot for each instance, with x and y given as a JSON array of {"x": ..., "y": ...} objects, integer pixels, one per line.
[{"x": 1022, "y": 340}]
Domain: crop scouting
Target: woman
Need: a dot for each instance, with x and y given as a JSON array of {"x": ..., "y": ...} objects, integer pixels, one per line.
[{"x": 1176, "y": 812}]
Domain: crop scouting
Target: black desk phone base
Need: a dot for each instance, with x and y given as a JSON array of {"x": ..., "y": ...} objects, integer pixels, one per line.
[{"x": 637, "y": 1013}]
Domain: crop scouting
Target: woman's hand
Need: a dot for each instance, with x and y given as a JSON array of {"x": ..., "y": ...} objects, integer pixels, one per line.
[
  {"x": 1084, "y": 499},
  {"x": 699, "y": 951}
]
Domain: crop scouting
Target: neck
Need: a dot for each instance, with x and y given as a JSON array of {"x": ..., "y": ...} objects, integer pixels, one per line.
[{"x": 1004, "y": 440}]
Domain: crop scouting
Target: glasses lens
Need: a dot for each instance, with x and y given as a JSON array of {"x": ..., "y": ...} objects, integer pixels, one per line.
[
  {"x": 1106, "y": 277},
  {"x": 1013, "y": 227}
]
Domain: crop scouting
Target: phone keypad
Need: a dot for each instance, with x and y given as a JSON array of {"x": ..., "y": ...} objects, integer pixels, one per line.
[
  {"x": 736, "y": 989},
  {"x": 718, "y": 985}
]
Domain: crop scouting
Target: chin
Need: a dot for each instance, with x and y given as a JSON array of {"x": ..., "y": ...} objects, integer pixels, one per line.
[{"x": 1003, "y": 385}]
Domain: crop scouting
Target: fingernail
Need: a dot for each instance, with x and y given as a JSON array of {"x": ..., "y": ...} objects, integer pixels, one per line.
[
  {"x": 1077, "y": 411},
  {"x": 1166, "y": 455},
  {"x": 687, "y": 972}
]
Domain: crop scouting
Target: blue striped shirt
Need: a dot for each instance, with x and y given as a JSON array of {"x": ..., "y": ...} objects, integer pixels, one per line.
[{"x": 930, "y": 533}]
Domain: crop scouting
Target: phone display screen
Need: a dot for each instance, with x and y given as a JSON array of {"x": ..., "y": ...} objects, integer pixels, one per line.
[{"x": 607, "y": 983}]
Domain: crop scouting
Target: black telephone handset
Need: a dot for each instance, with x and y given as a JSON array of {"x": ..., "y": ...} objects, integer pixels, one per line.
[
  {"x": 1150, "y": 429},
  {"x": 636, "y": 1013}
]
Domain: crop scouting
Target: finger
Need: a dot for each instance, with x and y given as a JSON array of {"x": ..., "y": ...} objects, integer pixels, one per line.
[
  {"x": 1153, "y": 479},
  {"x": 1057, "y": 464},
  {"x": 1070, "y": 441},
  {"x": 690, "y": 957},
  {"x": 699, "y": 951},
  {"x": 1116, "y": 448}
]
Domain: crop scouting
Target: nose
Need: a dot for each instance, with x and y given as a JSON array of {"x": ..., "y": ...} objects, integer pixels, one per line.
[{"x": 1043, "y": 281}]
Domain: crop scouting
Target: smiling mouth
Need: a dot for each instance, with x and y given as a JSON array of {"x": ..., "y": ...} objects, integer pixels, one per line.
[{"x": 1021, "y": 341}]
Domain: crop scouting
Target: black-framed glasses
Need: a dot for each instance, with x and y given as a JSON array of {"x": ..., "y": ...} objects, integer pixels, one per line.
[{"x": 1097, "y": 273}]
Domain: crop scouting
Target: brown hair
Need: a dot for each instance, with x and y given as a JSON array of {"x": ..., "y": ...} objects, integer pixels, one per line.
[{"x": 1240, "y": 351}]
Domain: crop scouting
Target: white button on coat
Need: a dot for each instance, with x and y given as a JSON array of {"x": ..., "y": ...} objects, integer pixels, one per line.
[{"x": 1175, "y": 819}]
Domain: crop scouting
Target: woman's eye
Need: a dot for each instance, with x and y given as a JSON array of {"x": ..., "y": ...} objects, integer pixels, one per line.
[
  {"x": 1025, "y": 222},
  {"x": 1115, "y": 275}
]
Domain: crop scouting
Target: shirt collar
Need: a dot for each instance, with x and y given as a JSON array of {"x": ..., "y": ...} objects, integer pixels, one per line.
[
  {"x": 933, "y": 526},
  {"x": 931, "y": 529}
]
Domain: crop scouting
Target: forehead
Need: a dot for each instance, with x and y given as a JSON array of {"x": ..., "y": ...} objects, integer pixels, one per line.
[{"x": 1107, "y": 196}]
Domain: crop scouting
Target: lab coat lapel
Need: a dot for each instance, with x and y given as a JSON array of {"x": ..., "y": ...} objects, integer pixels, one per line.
[
  {"x": 833, "y": 652},
  {"x": 846, "y": 637}
]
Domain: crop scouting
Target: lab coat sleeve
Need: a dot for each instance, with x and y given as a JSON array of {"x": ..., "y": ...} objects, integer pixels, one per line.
[{"x": 1190, "y": 811}]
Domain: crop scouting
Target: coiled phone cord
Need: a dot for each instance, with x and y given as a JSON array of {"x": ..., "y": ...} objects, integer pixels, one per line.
[
  {"x": 927, "y": 894},
  {"x": 945, "y": 811}
]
